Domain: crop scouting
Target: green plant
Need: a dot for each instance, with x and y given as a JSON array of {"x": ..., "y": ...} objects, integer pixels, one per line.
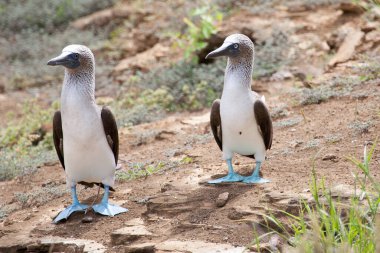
[
  {"x": 38, "y": 30},
  {"x": 139, "y": 170},
  {"x": 182, "y": 86},
  {"x": 360, "y": 127},
  {"x": 329, "y": 225},
  {"x": 44, "y": 15},
  {"x": 186, "y": 160},
  {"x": 288, "y": 122},
  {"x": 200, "y": 26},
  {"x": 26, "y": 143},
  {"x": 40, "y": 196}
]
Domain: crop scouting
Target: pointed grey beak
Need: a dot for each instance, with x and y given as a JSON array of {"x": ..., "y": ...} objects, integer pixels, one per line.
[
  {"x": 60, "y": 60},
  {"x": 67, "y": 59},
  {"x": 223, "y": 50}
]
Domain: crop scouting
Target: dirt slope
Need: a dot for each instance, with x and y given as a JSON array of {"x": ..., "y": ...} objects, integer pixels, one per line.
[{"x": 175, "y": 205}]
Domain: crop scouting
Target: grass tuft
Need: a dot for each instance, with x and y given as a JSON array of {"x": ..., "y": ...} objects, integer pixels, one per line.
[
  {"x": 288, "y": 122},
  {"x": 26, "y": 144},
  {"x": 330, "y": 225},
  {"x": 139, "y": 170}
]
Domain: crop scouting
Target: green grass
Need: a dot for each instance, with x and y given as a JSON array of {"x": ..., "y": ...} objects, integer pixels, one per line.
[
  {"x": 139, "y": 170},
  {"x": 288, "y": 122},
  {"x": 339, "y": 86},
  {"x": 26, "y": 144},
  {"x": 38, "y": 30},
  {"x": 184, "y": 86},
  {"x": 37, "y": 15},
  {"x": 143, "y": 170},
  {"x": 330, "y": 225},
  {"x": 40, "y": 196},
  {"x": 360, "y": 127}
]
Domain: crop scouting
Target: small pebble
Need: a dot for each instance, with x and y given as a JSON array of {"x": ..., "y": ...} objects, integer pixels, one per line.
[
  {"x": 222, "y": 199},
  {"x": 87, "y": 219},
  {"x": 330, "y": 157}
]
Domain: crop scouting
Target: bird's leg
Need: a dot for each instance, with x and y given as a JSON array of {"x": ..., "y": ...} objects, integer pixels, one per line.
[
  {"x": 255, "y": 177},
  {"x": 105, "y": 208},
  {"x": 232, "y": 176},
  {"x": 76, "y": 206}
]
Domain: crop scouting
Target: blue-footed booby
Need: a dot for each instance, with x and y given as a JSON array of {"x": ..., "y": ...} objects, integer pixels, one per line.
[
  {"x": 85, "y": 135},
  {"x": 240, "y": 120}
]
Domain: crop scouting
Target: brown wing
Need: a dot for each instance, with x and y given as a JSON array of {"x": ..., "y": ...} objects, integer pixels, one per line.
[
  {"x": 216, "y": 123},
  {"x": 58, "y": 136},
  {"x": 110, "y": 129},
  {"x": 264, "y": 121}
]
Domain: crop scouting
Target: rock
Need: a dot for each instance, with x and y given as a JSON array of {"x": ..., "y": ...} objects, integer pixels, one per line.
[
  {"x": 87, "y": 219},
  {"x": 233, "y": 214},
  {"x": 130, "y": 233},
  {"x": 288, "y": 202},
  {"x": 98, "y": 18},
  {"x": 369, "y": 26},
  {"x": 376, "y": 12},
  {"x": 373, "y": 36},
  {"x": 222, "y": 199},
  {"x": 7, "y": 222},
  {"x": 344, "y": 191},
  {"x": 197, "y": 247},
  {"x": 143, "y": 61},
  {"x": 169, "y": 205},
  {"x": 166, "y": 187},
  {"x": 197, "y": 120},
  {"x": 134, "y": 222},
  {"x": 275, "y": 243},
  {"x": 59, "y": 244},
  {"x": 262, "y": 248},
  {"x": 330, "y": 157},
  {"x": 140, "y": 248},
  {"x": 59, "y": 247},
  {"x": 347, "y": 49},
  {"x": 350, "y": 7},
  {"x": 103, "y": 17},
  {"x": 281, "y": 75}
]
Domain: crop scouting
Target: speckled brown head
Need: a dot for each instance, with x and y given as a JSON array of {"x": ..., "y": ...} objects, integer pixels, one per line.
[
  {"x": 240, "y": 52},
  {"x": 237, "y": 47},
  {"x": 75, "y": 58}
]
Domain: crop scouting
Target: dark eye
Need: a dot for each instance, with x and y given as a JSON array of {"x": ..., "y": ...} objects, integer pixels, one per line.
[
  {"x": 75, "y": 56},
  {"x": 236, "y": 46}
]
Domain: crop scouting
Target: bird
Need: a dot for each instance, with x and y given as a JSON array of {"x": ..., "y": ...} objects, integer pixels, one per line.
[
  {"x": 85, "y": 135},
  {"x": 240, "y": 120}
]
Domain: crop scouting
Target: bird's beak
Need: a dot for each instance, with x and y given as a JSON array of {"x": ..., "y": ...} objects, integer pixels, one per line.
[
  {"x": 223, "y": 50},
  {"x": 63, "y": 59}
]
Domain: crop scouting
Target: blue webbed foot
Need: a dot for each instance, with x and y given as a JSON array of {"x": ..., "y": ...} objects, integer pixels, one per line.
[
  {"x": 255, "y": 180},
  {"x": 63, "y": 215},
  {"x": 109, "y": 209},
  {"x": 230, "y": 178},
  {"x": 76, "y": 206},
  {"x": 105, "y": 208},
  {"x": 255, "y": 177}
]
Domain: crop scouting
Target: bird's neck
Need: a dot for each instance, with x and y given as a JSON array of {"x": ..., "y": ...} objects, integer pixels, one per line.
[
  {"x": 82, "y": 83},
  {"x": 238, "y": 75}
]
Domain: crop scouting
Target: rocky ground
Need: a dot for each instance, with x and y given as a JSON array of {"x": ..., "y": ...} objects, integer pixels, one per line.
[{"x": 325, "y": 107}]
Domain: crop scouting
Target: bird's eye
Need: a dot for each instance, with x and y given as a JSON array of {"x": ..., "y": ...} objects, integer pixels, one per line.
[
  {"x": 236, "y": 46},
  {"x": 76, "y": 56}
]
